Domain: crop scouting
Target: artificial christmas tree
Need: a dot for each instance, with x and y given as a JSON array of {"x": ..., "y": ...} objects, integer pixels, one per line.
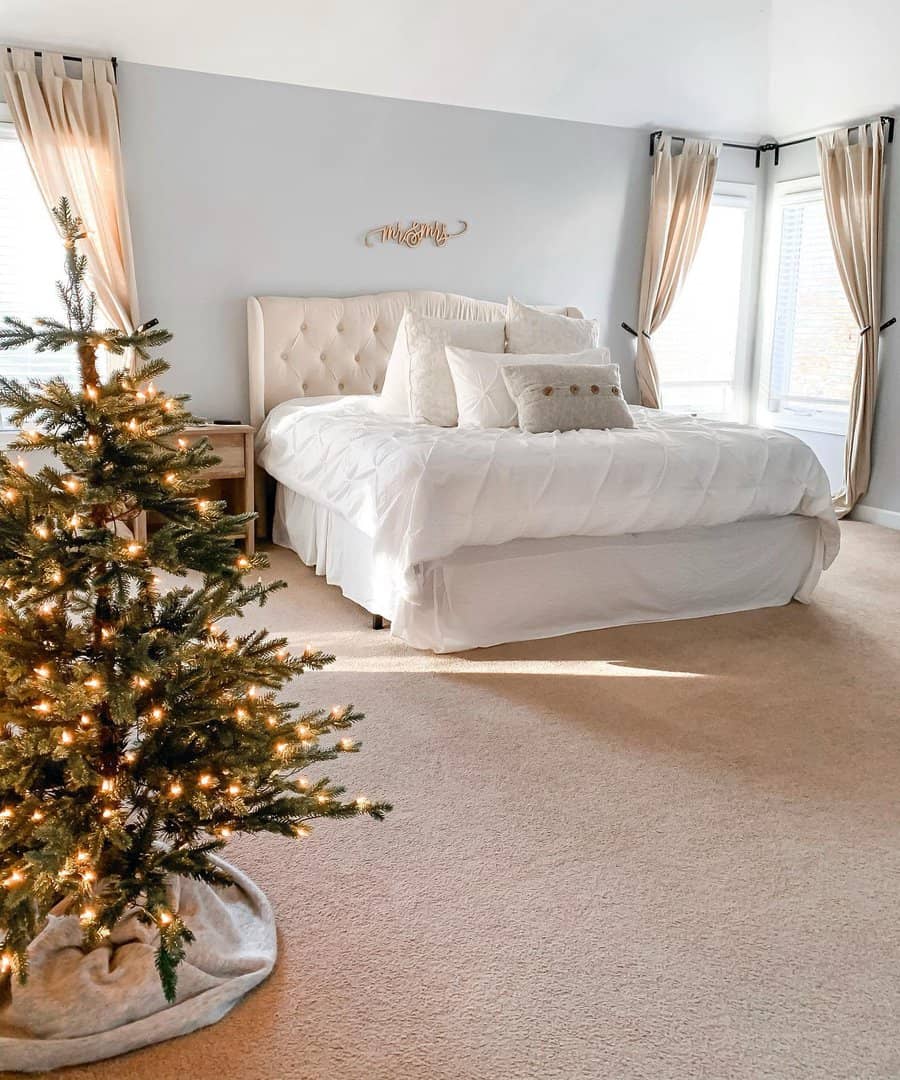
[{"x": 137, "y": 735}]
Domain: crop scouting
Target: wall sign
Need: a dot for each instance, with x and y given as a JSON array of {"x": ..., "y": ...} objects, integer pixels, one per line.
[{"x": 414, "y": 233}]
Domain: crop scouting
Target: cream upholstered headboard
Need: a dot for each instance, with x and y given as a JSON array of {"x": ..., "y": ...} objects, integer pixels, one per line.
[{"x": 310, "y": 347}]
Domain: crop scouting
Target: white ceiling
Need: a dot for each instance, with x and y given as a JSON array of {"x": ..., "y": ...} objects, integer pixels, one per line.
[{"x": 706, "y": 65}]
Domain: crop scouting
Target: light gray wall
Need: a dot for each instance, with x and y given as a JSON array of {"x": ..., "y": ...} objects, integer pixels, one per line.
[
  {"x": 884, "y": 489},
  {"x": 240, "y": 187}
]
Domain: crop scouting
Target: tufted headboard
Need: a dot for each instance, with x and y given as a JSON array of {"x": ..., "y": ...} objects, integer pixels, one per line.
[{"x": 316, "y": 346}]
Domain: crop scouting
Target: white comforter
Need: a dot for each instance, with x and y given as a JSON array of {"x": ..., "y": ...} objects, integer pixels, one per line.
[{"x": 422, "y": 492}]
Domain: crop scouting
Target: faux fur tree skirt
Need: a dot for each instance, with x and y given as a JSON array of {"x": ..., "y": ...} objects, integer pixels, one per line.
[{"x": 82, "y": 1006}]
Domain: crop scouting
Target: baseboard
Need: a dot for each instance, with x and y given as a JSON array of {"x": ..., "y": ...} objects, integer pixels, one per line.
[{"x": 890, "y": 519}]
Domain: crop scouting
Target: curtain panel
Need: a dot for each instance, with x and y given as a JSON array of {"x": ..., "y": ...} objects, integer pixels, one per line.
[
  {"x": 69, "y": 127},
  {"x": 853, "y": 188},
  {"x": 680, "y": 196}
]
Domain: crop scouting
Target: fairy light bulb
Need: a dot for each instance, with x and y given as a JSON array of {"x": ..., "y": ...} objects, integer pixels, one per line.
[
  {"x": 14, "y": 879},
  {"x": 182, "y": 444},
  {"x": 93, "y": 683},
  {"x": 302, "y": 783},
  {"x": 164, "y": 918},
  {"x": 362, "y": 803},
  {"x": 42, "y": 531},
  {"x": 234, "y": 789},
  {"x": 66, "y": 737},
  {"x": 71, "y": 484},
  {"x": 206, "y": 780},
  {"x": 133, "y": 424},
  {"x": 224, "y": 832},
  {"x": 47, "y": 607},
  {"x": 302, "y": 831},
  {"x": 87, "y": 915},
  {"x": 107, "y": 813},
  {"x": 251, "y": 691},
  {"x": 281, "y": 747},
  {"x": 156, "y": 713},
  {"x": 57, "y": 577},
  {"x": 6, "y": 813},
  {"x": 42, "y": 671},
  {"x": 10, "y": 495},
  {"x": 130, "y": 756},
  {"x": 242, "y": 562},
  {"x": 88, "y": 876},
  {"x": 85, "y": 720},
  {"x": 322, "y": 798},
  {"x": 81, "y": 856},
  {"x": 140, "y": 683},
  {"x": 134, "y": 548},
  {"x": 42, "y": 707},
  {"x": 175, "y": 790},
  {"x": 37, "y": 816},
  {"x": 347, "y": 744},
  {"x": 203, "y": 505},
  {"x": 91, "y": 392},
  {"x": 170, "y": 478},
  {"x": 107, "y": 785}
]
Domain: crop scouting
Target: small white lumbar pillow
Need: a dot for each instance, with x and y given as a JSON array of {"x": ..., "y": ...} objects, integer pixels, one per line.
[
  {"x": 530, "y": 330},
  {"x": 482, "y": 397},
  {"x": 432, "y": 398}
]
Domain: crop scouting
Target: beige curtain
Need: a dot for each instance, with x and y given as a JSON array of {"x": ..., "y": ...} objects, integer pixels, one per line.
[
  {"x": 69, "y": 127},
  {"x": 853, "y": 186},
  {"x": 680, "y": 196}
]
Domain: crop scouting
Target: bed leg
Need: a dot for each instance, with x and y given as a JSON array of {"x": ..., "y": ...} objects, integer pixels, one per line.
[{"x": 377, "y": 622}]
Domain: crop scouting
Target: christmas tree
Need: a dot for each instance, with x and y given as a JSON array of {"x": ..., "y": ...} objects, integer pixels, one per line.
[{"x": 137, "y": 734}]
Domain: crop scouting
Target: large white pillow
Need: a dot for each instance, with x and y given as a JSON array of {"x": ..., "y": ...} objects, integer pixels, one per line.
[
  {"x": 432, "y": 398},
  {"x": 417, "y": 382},
  {"x": 482, "y": 397},
  {"x": 530, "y": 330}
]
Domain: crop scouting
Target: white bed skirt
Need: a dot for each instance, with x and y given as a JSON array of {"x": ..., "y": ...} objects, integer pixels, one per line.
[{"x": 527, "y": 589}]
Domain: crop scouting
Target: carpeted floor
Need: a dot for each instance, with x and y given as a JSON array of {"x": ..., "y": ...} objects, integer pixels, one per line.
[{"x": 665, "y": 851}]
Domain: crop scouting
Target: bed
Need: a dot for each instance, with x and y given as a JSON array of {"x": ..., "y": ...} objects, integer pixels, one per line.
[{"x": 466, "y": 538}]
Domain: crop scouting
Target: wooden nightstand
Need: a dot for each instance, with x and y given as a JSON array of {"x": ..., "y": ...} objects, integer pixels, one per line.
[{"x": 231, "y": 479}]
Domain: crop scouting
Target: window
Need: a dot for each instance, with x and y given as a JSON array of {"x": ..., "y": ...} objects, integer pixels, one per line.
[
  {"x": 811, "y": 337},
  {"x": 30, "y": 261},
  {"x": 702, "y": 349}
]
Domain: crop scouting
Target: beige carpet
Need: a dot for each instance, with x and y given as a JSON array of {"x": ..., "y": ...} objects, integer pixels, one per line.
[{"x": 664, "y": 851}]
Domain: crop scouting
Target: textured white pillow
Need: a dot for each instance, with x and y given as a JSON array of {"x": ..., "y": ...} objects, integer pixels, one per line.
[
  {"x": 482, "y": 397},
  {"x": 432, "y": 397},
  {"x": 530, "y": 330}
]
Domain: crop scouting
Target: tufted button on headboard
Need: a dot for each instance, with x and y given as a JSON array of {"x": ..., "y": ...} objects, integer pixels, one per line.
[{"x": 310, "y": 347}]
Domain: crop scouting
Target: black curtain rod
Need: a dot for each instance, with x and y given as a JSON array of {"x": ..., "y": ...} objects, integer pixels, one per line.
[
  {"x": 75, "y": 59},
  {"x": 777, "y": 147}
]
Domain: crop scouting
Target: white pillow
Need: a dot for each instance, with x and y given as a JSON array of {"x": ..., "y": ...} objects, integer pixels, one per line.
[
  {"x": 482, "y": 397},
  {"x": 394, "y": 396},
  {"x": 432, "y": 398},
  {"x": 530, "y": 330},
  {"x": 417, "y": 382}
]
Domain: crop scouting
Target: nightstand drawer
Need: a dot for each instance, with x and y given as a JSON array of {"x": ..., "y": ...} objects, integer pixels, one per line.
[{"x": 230, "y": 449}]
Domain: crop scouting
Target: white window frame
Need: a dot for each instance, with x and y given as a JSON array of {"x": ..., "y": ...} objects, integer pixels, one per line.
[
  {"x": 744, "y": 196},
  {"x": 796, "y": 413}
]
